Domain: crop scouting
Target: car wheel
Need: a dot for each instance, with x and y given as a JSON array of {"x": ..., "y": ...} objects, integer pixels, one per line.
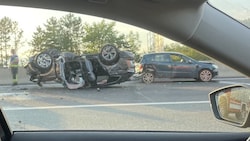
[
  {"x": 43, "y": 61},
  {"x": 148, "y": 77},
  {"x": 205, "y": 75},
  {"x": 109, "y": 55},
  {"x": 223, "y": 109}
]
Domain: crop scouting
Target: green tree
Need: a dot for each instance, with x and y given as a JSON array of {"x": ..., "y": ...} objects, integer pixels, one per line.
[
  {"x": 99, "y": 34},
  {"x": 71, "y": 33},
  {"x": 64, "y": 34},
  {"x": 17, "y": 35},
  {"x": 133, "y": 43},
  {"x": 39, "y": 41},
  {"x": 10, "y": 37},
  {"x": 46, "y": 38}
]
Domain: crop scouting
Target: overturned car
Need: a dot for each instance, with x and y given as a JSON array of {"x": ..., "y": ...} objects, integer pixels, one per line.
[{"x": 110, "y": 66}]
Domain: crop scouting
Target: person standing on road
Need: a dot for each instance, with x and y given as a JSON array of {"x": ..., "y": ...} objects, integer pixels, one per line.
[{"x": 14, "y": 66}]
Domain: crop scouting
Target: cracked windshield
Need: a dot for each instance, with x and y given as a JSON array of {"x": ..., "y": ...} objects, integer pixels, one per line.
[{"x": 69, "y": 71}]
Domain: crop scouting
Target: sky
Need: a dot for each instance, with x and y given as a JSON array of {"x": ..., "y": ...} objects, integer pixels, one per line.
[
  {"x": 32, "y": 18},
  {"x": 238, "y": 9}
]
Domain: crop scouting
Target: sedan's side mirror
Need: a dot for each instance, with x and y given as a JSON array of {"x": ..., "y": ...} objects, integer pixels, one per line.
[{"x": 232, "y": 104}]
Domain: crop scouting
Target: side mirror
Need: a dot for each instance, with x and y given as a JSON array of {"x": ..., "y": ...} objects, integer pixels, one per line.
[{"x": 231, "y": 105}]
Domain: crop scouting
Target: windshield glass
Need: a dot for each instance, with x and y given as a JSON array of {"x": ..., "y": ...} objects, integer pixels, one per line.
[
  {"x": 238, "y": 9},
  {"x": 69, "y": 78}
]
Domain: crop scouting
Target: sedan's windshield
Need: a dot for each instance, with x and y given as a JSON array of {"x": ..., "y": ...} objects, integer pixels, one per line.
[{"x": 100, "y": 82}]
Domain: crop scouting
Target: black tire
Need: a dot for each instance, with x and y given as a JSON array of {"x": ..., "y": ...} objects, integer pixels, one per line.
[
  {"x": 109, "y": 55},
  {"x": 44, "y": 61},
  {"x": 148, "y": 77},
  {"x": 205, "y": 75}
]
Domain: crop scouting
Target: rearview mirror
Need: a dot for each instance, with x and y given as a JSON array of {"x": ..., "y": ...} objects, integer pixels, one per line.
[{"x": 232, "y": 104}]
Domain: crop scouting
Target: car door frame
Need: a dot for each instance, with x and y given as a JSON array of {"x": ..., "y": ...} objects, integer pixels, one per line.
[
  {"x": 185, "y": 69},
  {"x": 163, "y": 67}
]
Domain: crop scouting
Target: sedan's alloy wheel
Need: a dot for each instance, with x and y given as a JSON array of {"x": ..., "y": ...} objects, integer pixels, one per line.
[
  {"x": 206, "y": 75},
  {"x": 148, "y": 77}
]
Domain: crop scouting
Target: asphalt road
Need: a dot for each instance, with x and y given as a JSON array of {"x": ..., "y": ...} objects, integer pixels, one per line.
[{"x": 180, "y": 105}]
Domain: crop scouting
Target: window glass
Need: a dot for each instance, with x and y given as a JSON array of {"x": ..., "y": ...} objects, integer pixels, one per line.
[
  {"x": 176, "y": 58},
  {"x": 160, "y": 58},
  {"x": 238, "y": 9},
  {"x": 165, "y": 105}
]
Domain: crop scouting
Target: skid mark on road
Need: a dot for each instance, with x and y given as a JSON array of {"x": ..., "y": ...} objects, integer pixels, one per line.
[{"x": 105, "y": 105}]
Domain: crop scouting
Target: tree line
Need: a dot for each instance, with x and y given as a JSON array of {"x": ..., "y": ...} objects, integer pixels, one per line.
[
  {"x": 71, "y": 33},
  {"x": 10, "y": 37},
  {"x": 68, "y": 33}
]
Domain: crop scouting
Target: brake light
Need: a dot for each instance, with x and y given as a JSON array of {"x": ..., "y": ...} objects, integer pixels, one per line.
[{"x": 140, "y": 68}]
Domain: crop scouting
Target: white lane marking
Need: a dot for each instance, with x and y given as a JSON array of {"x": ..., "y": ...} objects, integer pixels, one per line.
[
  {"x": 232, "y": 83},
  {"x": 15, "y": 93},
  {"x": 18, "y": 86},
  {"x": 232, "y": 78},
  {"x": 104, "y": 105}
]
